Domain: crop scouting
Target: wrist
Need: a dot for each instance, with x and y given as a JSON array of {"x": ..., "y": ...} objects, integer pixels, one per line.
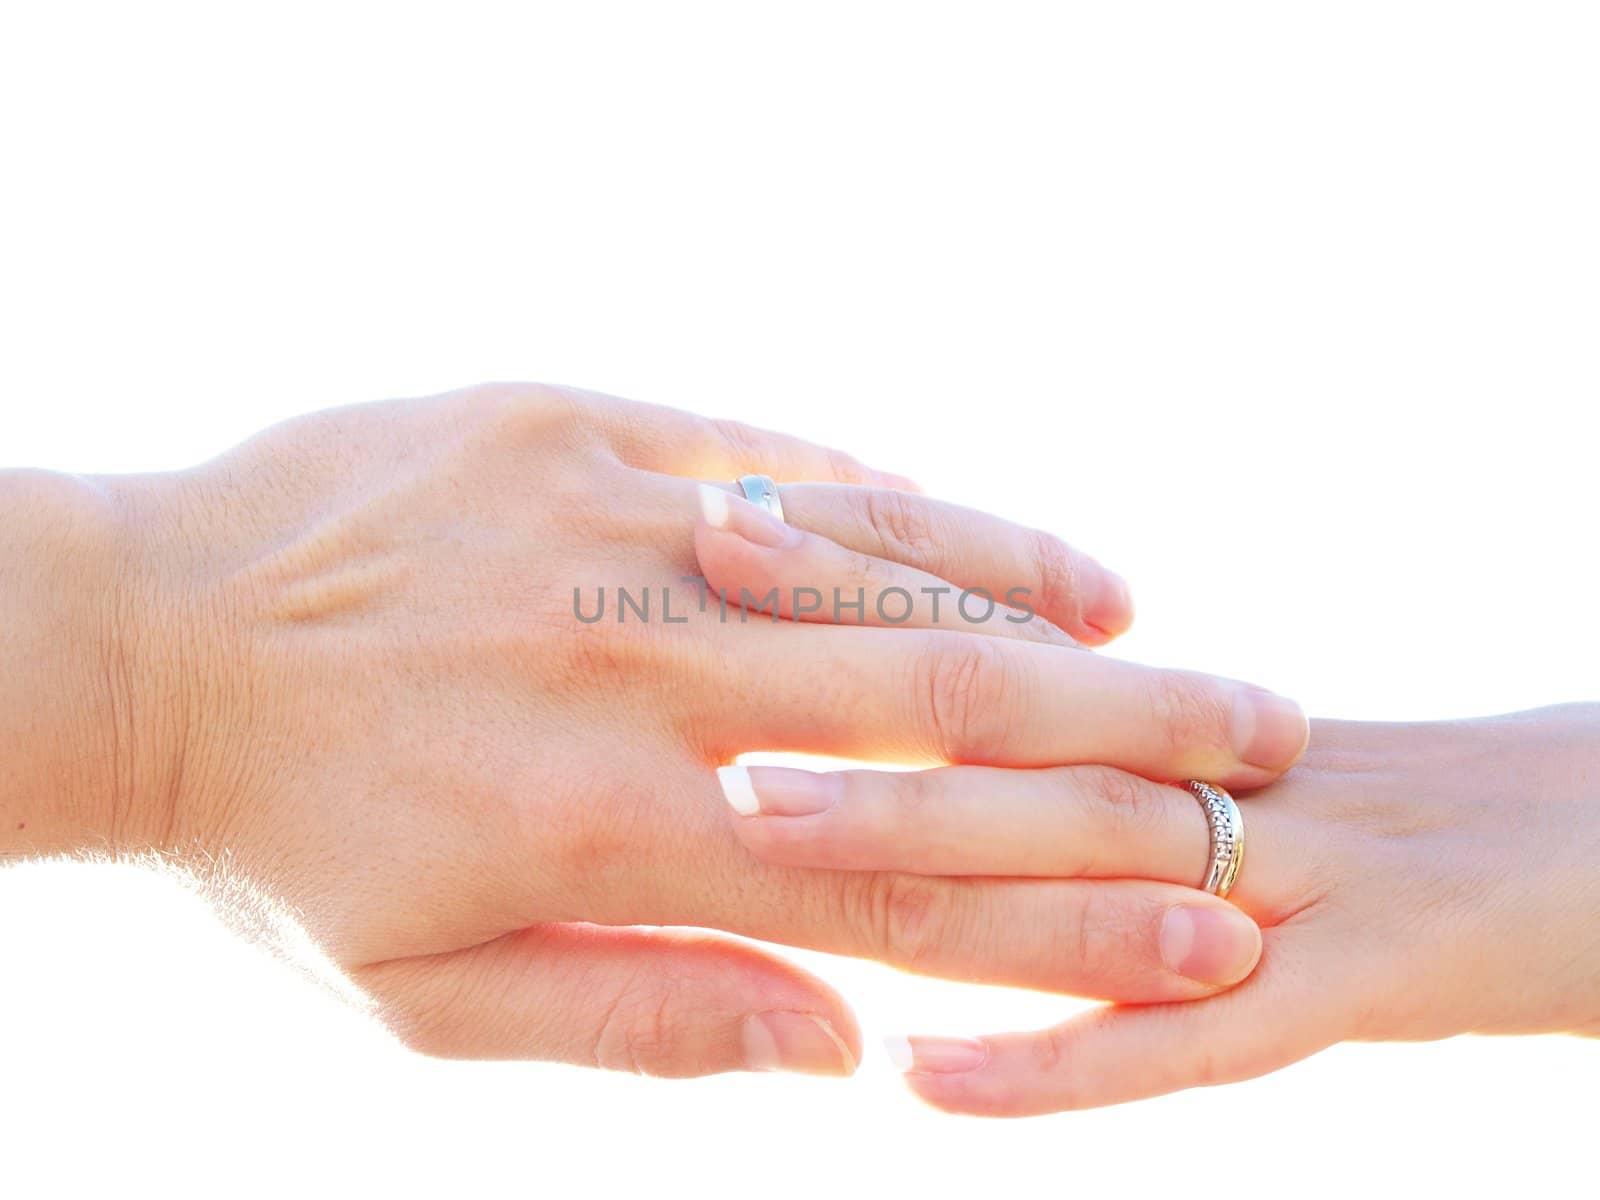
[{"x": 76, "y": 747}]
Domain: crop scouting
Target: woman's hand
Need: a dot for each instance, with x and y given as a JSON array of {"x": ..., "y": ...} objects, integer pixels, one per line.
[
  {"x": 1412, "y": 881},
  {"x": 352, "y": 664}
]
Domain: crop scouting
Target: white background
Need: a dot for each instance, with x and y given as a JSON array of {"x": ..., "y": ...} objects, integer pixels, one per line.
[{"x": 1289, "y": 312}]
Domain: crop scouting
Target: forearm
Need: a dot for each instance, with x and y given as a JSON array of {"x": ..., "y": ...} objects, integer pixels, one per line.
[{"x": 65, "y": 743}]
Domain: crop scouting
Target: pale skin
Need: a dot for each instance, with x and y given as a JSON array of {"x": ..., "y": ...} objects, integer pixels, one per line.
[
  {"x": 344, "y": 661},
  {"x": 1412, "y": 881}
]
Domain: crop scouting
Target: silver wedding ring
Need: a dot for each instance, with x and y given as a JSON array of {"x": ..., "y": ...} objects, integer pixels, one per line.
[
  {"x": 1227, "y": 836},
  {"x": 760, "y": 489}
]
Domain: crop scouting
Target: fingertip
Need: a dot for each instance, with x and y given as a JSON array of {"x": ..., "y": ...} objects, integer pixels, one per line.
[
  {"x": 954, "y": 1074},
  {"x": 936, "y": 1055},
  {"x": 714, "y": 507},
  {"x": 798, "y": 1042},
  {"x": 782, "y": 791},
  {"x": 1270, "y": 731},
  {"x": 737, "y": 791},
  {"x": 1213, "y": 944},
  {"x": 1108, "y": 611},
  {"x": 994, "y": 1090}
]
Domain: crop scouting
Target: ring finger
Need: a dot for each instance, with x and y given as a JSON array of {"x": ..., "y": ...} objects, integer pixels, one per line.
[{"x": 1073, "y": 822}]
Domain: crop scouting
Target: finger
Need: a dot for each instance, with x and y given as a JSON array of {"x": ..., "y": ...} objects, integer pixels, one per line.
[
  {"x": 1085, "y": 822},
  {"x": 758, "y": 561},
  {"x": 1114, "y": 1055},
  {"x": 1068, "y": 822},
  {"x": 1113, "y": 939},
  {"x": 971, "y": 549},
  {"x": 662, "y": 852},
  {"x": 673, "y": 442},
  {"x": 654, "y": 1002},
  {"x": 922, "y": 696}
]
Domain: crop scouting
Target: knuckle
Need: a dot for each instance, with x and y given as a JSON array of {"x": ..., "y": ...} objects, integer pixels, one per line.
[
  {"x": 1210, "y": 1069},
  {"x": 1190, "y": 713},
  {"x": 1055, "y": 568},
  {"x": 523, "y": 415},
  {"x": 635, "y": 1033},
  {"x": 969, "y": 698},
  {"x": 1272, "y": 1047},
  {"x": 904, "y": 916},
  {"x": 745, "y": 444},
  {"x": 902, "y": 526},
  {"x": 595, "y": 841},
  {"x": 578, "y": 650},
  {"x": 518, "y": 407},
  {"x": 844, "y": 468},
  {"x": 911, "y": 792},
  {"x": 1052, "y": 1053},
  {"x": 1105, "y": 942},
  {"x": 1126, "y": 807},
  {"x": 854, "y": 569}
]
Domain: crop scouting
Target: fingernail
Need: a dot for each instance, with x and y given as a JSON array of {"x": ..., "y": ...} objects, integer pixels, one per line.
[
  {"x": 936, "y": 1055},
  {"x": 794, "y": 1041},
  {"x": 777, "y": 791},
  {"x": 1269, "y": 731},
  {"x": 714, "y": 505},
  {"x": 753, "y": 523},
  {"x": 1110, "y": 608},
  {"x": 1209, "y": 945}
]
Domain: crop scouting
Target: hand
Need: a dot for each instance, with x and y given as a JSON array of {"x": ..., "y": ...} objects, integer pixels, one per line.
[
  {"x": 343, "y": 666},
  {"x": 1413, "y": 881}
]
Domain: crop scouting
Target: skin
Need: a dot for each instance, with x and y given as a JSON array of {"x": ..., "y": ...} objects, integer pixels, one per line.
[
  {"x": 340, "y": 666},
  {"x": 1412, "y": 881}
]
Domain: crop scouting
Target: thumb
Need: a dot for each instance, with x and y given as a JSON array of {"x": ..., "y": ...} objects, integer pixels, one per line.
[{"x": 651, "y": 1001}]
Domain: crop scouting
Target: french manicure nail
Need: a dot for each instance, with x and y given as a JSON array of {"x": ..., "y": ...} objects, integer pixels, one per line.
[
  {"x": 714, "y": 506},
  {"x": 736, "y": 789},
  {"x": 753, "y": 523},
  {"x": 1269, "y": 731},
  {"x": 1210, "y": 945},
  {"x": 936, "y": 1055},
  {"x": 777, "y": 791},
  {"x": 794, "y": 1041}
]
